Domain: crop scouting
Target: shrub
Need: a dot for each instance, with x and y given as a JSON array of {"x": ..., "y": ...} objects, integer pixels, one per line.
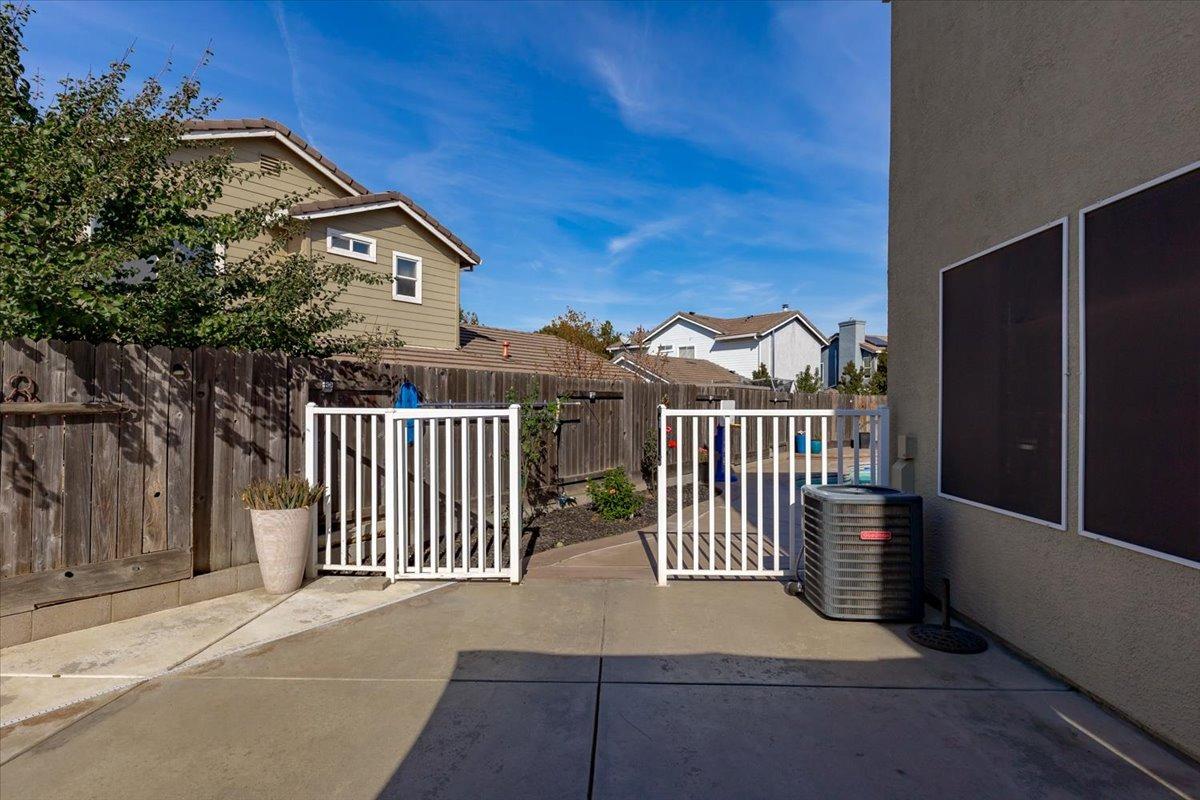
[
  {"x": 281, "y": 493},
  {"x": 614, "y": 495}
]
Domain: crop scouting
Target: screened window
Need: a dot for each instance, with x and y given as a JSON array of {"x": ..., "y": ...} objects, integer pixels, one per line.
[
  {"x": 1141, "y": 368},
  {"x": 350, "y": 244},
  {"x": 406, "y": 277},
  {"x": 687, "y": 352},
  {"x": 1002, "y": 373}
]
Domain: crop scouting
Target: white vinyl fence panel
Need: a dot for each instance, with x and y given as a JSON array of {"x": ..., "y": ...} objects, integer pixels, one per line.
[
  {"x": 416, "y": 493},
  {"x": 744, "y": 511}
]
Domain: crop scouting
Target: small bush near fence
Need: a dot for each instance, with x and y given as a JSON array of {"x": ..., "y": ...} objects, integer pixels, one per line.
[{"x": 614, "y": 495}]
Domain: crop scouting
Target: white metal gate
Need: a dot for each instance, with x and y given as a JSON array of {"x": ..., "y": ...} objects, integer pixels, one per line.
[
  {"x": 750, "y": 525},
  {"x": 425, "y": 493}
]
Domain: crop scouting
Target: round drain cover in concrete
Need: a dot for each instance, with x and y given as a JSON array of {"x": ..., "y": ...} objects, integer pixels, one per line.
[{"x": 948, "y": 639}]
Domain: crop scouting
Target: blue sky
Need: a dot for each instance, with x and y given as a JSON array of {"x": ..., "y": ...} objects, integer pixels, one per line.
[{"x": 629, "y": 160}]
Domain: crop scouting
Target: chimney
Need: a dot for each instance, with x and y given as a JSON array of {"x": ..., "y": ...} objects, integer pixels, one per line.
[
  {"x": 851, "y": 335},
  {"x": 504, "y": 349},
  {"x": 786, "y": 307}
]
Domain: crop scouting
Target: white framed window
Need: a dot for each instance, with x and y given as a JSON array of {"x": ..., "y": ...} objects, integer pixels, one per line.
[
  {"x": 351, "y": 245},
  {"x": 406, "y": 277},
  {"x": 687, "y": 352},
  {"x": 665, "y": 349}
]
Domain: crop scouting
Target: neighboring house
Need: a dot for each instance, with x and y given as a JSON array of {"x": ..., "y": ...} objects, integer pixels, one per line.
[
  {"x": 861, "y": 348},
  {"x": 382, "y": 231},
  {"x": 673, "y": 369},
  {"x": 1044, "y": 226},
  {"x": 785, "y": 341},
  {"x": 504, "y": 350}
]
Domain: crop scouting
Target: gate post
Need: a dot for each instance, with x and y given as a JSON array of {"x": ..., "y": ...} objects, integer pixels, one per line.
[
  {"x": 310, "y": 475},
  {"x": 885, "y": 465},
  {"x": 389, "y": 494},
  {"x": 514, "y": 493},
  {"x": 662, "y": 495}
]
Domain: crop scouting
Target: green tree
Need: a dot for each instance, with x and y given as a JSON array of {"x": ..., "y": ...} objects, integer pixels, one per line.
[
  {"x": 761, "y": 374},
  {"x": 878, "y": 382},
  {"x": 853, "y": 380},
  {"x": 108, "y": 232},
  {"x": 583, "y": 331},
  {"x": 467, "y": 317},
  {"x": 808, "y": 381}
]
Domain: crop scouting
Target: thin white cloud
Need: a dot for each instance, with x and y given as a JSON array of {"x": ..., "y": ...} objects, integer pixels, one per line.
[{"x": 279, "y": 15}]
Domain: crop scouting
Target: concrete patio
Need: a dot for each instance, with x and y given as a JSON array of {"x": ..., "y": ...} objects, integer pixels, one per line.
[{"x": 604, "y": 688}]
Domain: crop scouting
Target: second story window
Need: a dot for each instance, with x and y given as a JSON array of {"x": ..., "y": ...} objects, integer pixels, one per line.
[
  {"x": 350, "y": 244},
  {"x": 406, "y": 277},
  {"x": 687, "y": 352}
]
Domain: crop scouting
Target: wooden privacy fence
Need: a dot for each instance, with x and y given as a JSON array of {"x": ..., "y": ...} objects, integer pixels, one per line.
[{"x": 123, "y": 467}]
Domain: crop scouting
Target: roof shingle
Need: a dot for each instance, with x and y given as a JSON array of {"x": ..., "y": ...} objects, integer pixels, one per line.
[{"x": 480, "y": 347}]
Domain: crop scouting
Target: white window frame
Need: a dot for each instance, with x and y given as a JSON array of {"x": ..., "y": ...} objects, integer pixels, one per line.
[
  {"x": 420, "y": 277},
  {"x": 1065, "y": 222},
  {"x": 691, "y": 347},
  {"x": 1082, "y": 221},
  {"x": 354, "y": 237}
]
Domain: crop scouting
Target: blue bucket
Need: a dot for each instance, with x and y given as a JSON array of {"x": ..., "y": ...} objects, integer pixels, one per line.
[{"x": 816, "y": 445}]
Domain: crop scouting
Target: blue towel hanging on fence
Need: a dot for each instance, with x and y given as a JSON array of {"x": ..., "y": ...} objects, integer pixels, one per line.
[{"x": 408, "y": 397}]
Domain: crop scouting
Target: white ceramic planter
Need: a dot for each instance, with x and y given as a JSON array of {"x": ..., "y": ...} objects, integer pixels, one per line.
[{"x": 281, "y": 538}]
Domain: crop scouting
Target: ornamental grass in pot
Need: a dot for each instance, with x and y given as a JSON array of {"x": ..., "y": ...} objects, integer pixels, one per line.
[{"x": 281, "y": 516}]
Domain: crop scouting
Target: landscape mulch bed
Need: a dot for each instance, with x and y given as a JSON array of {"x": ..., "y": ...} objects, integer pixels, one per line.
[{"x": 580, "y": 523}]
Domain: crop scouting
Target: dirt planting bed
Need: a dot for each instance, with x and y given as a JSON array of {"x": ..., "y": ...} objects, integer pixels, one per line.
[{"x": 580, "y": 523}]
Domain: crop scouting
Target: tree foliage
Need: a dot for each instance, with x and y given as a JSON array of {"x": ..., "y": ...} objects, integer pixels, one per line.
[
  {"x": 467, "y": 317},
  {"x": 808, "y": 381},
  {"x": 878, "y": 384},
  {"x": 853, "y": 380},
  {"x": 583, "y": 331},
  {"x": 109, "y": 232},
  {"x": 761, "y": 374}
]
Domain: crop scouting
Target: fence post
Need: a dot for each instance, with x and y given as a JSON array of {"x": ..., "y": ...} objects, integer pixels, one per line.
[
  {"x": 514, "y": 493},
  {"x": 885, "y": 467},
  {"x": 310, "y": 475},
  {"x": 662, "y": 495},
  {"x": 389, "y": 494}
]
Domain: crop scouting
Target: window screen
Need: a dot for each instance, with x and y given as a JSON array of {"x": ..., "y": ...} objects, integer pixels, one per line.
[
  {"x": 1001, "y": 378},
  {"x": 1141, "y": 379}
]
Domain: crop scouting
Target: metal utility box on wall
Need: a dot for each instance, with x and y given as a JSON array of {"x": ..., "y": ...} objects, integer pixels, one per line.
[{"x": 862, "y": 552}]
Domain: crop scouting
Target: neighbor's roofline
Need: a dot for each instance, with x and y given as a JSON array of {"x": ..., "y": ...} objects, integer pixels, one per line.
[
  {"x": 472, "y": 259},
  {"x": 637, "y": 368},
  {"x": 351, "y": 186},
  {"x": 721, "y": 337},
  {"x": 685, "y": 318}
]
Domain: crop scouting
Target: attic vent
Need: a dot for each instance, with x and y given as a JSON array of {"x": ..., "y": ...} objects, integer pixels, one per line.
[{"x": 270, "y": 165}]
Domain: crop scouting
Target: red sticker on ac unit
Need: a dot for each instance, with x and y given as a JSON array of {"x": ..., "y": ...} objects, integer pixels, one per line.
[{"x": 875, "y": 536}]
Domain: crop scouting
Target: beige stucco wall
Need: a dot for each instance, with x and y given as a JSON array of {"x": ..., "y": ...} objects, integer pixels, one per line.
[
  {"x": 431, "y": 323},
  {"x": 1006, "y": 116}
]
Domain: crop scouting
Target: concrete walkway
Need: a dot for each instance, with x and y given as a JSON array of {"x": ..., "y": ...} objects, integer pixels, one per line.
[
  {"x": 48, "y": 684},
  {"x": 600, "y": 689}
]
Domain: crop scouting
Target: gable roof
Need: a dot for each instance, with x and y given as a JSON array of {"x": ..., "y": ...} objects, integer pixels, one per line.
[
  {"x": 481, "y": 347},
  {"x": 727, "y": 328},
  {"x": 249, "y": 128},
  {"x": 360, "y": 198},
  {"x": 378, "y": 200},
  {"x": 674, "y": 369}
]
